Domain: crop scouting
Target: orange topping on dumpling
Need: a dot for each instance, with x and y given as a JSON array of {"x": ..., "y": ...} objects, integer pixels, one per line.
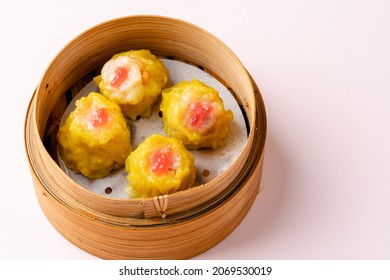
[
  {"x": 99, "y": 117},
  {"x": 199, "y": 116},
  {"x": 120, "y": 76},
  {"x": 162, "y": 161}
]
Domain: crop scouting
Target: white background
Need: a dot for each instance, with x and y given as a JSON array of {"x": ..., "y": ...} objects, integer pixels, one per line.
[{"x": 323, "y": 68}]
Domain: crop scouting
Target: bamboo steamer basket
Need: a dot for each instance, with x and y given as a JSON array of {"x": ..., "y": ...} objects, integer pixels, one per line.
[{"x": 176, "y": 226}]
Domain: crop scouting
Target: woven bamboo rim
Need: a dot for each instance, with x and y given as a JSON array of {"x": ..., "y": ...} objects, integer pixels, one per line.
[{"x": 140, "y": 228}]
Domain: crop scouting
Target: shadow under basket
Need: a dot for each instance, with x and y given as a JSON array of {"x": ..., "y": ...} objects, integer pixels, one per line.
[{"x": 176, "y": 226}]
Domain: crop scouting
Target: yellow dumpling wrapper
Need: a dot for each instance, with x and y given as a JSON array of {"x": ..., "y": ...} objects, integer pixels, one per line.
[
  {"x": 160, "y": 165},
  {"x": 95, "y": 138},
  {"x": 134, "y": 81},
  {"x": 194, "y": 113}
]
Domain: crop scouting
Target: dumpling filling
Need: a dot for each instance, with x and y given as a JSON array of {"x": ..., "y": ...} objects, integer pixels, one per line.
[{"x": 123, "y": 78}]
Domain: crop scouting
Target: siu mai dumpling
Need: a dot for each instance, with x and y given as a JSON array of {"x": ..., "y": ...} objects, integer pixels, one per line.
[
  {"x": 194, "y": 113},
  {"x": 160, "y": 165},
  {"x": 95, "y": 138},
  {"x": 134, "y": 81}
]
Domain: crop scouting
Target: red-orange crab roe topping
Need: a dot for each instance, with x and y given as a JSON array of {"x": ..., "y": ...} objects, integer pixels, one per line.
[
  {"x": 161, "y": 161},
  {"x": 199, "y": 114},
  {"x": 121, "y": 75},
  {"x": 99, "y": 117}
]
